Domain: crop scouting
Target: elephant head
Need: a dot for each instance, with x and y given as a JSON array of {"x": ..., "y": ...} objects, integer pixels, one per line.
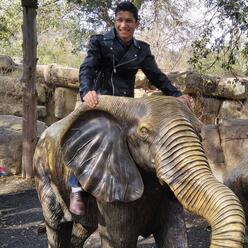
[{"x": 160, "y": 134}]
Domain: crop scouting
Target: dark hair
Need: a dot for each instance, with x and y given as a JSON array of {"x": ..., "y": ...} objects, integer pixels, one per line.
[{"x": 127, "y": 6}]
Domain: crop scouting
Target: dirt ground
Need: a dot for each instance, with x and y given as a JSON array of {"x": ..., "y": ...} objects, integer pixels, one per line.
[{"x": 20, "y": 215}]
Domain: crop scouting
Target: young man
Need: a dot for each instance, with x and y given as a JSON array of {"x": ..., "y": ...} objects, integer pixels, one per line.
[{"x": 109, "y": 68}]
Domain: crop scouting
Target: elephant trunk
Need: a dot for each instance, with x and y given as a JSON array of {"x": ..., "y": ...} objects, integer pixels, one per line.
[{"x": 184, "y": 167}]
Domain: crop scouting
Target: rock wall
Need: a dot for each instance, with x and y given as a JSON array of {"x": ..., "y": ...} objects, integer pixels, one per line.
[
  {"x": 226, "y": 145},
  {"x": 217, "y": 100},
  {"x": 11, "y": 142}
]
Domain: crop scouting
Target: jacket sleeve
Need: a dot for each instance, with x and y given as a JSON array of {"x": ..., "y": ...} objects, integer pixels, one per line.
[
  {"x": 87, "y": 71},
  {"x": 156, "y": 76}
]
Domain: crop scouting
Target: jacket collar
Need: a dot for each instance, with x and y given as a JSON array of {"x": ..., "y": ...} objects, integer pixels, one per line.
[{"x": 111, "y": 35}]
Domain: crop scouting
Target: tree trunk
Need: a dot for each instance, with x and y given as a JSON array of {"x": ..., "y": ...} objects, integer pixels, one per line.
[{"x": 28, "y": 79}]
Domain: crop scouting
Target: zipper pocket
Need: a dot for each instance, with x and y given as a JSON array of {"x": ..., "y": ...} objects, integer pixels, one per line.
[{"x": 126, "y": 62}]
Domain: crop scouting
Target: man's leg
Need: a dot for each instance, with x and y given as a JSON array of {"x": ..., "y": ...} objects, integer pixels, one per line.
[{"x": 76, "y": 201}]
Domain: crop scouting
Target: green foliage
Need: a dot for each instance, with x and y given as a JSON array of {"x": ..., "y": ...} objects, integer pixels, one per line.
[
  {"x": 54, "y": 44},
  {"x": 50, "y": 15},
  {"x": 10, "y": 22},
  {"x": 4, "y": 30},
  {"x": 57, "y": 50},
  {"x": 224, "y": 38},
  {"x": 64, "y": 27}
]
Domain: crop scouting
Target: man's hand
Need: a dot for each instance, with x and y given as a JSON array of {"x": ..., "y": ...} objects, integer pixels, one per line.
[
  {"x": 91, "y": 99},
  {"x": 187, "y": 100}
]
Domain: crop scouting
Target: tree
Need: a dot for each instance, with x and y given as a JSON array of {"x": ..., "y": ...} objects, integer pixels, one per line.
[
  {"x": 224, "y": 35},
  {"x": 10, "y": 22},
  {"x": 166, "y": 27},
  {"x": 29, "y": 126},
  {"x": 52, "y": 29}
]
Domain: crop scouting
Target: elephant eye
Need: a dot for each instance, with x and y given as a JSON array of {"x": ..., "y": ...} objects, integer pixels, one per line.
[{"x": 143, "y": 133}]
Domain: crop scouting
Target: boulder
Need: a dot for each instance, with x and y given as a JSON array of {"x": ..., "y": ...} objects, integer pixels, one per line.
[
  {"x": 7, "y": 64},
  {"x": 194, "y": 83},
  {"x": 237, "y": 180},
  {"x": 233, "y": 110},
  {"x": 11, "y": 96},
  {"x": 234, "y": 141},
  {"x": 59, "y": 75},
  {"x": 11, "y": 142},
  {"x": 41, "y": 93},
  {"x": 17, "y": 110},
  {"x": 41, "y": 112},
  {"x": 207, "y": 109},
  {"x": 212, "y": 146},
  {"x": 232, "y": 88},
  {"x": 10, "y": 87},
  {"x": 65, "y": 101},
  {"x": 141, "y": 81}
]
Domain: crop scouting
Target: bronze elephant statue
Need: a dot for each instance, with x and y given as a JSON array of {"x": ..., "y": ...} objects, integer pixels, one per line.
[{"x": 111, "y": 149}]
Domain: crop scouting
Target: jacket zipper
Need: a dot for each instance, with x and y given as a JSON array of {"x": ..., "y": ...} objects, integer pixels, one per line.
[
  {"x": 123, "y": 63},
  {"x": 114, "y": 69}
]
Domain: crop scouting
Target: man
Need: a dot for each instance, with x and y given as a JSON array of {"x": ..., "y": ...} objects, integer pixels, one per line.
[{"x": 109, "y": 68}]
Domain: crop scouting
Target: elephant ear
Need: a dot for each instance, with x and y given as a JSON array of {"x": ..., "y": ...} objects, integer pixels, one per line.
[{"x": 96, "y": 150}]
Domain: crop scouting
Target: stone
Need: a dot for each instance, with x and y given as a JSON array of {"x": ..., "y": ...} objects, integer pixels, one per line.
[
  {"x": 6, "y": 64},
  {"x": 10, "y": 87},
  {"x": 141, "y": 81},
  {"x": 234, "y": 141},
  {"x": 233, "y": 110},
  {"x": 11, "y": 96},
  {"x": 59, "y": 75},
  {"x": 11, "y": 142},
  {"x": 41, "y": 111},
  {"x": 65, "y": 101},
  {"x": 43, "y": 73},
  {"x": 232, "y": 88},
  {"x": 41, "y": 93},
  {"x": 207, "y": 109},
  {"x": 190, "y": 82},
  {"x": 212, "y": 146},
  {"x": 237, "y": 180},
  {"x": 194, "y": 83}
]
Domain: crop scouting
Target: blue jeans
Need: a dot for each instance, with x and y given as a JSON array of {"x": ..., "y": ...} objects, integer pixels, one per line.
[{"x": 73, "y": 181}]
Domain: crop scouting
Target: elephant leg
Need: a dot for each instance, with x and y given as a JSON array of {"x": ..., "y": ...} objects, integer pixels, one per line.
[
  {"x": 58, "y": 224},
  {"x": 117, "y": 225},
  {"x": 61, "y": 236},
  {"x": 172, "y": 233},
  {"x": 79, "y": 235},
  {"x": 94, "y": 241}
]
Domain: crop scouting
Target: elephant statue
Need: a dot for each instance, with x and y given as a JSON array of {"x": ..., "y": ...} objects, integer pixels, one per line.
[{"x": 116, "y": 150}]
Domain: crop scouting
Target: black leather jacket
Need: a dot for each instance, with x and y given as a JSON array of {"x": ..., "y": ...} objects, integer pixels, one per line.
[{"x": 107, "y": 71}]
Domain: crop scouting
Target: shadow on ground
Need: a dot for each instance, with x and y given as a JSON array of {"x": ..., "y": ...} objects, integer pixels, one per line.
[{"x": 20, "y": 214}]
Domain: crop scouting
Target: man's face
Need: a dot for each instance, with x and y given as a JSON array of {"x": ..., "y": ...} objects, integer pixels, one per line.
[{"x": 125, "y": 25}]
